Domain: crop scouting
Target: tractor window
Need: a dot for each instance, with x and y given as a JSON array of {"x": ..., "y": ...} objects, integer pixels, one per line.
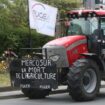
[
  {"x": 103, "y": 25},
  {"x": 103, "y": 1},
  {"x": 83, "y": 26},
  {"x": 93, "y": 25},
  {"x": 97, "y": 1}
]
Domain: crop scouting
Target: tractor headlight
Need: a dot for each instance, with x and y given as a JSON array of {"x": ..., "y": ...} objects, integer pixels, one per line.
[{"x": 54, "y": 58}]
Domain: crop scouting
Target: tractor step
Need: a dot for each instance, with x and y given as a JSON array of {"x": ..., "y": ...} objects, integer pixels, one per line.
[{"x": 60, "y": 90}]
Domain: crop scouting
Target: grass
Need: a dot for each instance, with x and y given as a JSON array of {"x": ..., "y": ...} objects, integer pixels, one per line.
[{"x": 4, "y": 79}]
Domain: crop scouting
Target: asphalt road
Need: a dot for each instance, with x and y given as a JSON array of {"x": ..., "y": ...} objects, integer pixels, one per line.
[{"x": 57, "y": 99}]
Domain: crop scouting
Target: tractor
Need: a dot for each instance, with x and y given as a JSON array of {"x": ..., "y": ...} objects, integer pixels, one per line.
[{"x": 76, "y": 60}]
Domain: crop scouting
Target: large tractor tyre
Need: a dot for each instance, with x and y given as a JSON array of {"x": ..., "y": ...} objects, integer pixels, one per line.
[
  {"x": 84, "y": 80},
  {"x": 33, "y": 93}
]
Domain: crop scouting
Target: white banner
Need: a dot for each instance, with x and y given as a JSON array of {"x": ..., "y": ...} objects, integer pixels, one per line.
[{"x": 42, "y": 17}]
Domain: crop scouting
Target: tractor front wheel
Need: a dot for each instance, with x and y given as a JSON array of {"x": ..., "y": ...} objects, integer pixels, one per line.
[{"x": 84, "y": 80}]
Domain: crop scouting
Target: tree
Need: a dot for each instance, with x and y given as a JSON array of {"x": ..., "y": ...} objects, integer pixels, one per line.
[{"x": 14, "y": 27}]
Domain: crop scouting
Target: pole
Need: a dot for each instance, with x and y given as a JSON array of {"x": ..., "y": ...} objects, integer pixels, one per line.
[{"x": 30, "y": 34}]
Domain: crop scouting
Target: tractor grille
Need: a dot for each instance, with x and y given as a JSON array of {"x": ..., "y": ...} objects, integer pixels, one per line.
[{"x": 54, "y": 50}]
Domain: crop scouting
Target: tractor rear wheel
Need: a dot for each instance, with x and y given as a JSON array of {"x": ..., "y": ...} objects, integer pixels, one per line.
[
  {"x": 33, "y": 93},
  {"x": 84, "y": 80}
]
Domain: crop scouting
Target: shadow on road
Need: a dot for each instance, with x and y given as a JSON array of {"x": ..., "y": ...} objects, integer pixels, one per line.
[
  {"x": 65, "y": 99},
  {"x": 11, "y": 97}
]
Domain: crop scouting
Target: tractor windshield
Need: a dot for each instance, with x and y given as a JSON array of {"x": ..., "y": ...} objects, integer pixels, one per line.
[{"x": 82, "y": 26}]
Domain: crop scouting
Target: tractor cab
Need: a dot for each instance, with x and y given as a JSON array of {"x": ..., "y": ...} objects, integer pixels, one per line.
[
  {"x": 90, "y": 23},
  {"x": 83, "y": 26}
]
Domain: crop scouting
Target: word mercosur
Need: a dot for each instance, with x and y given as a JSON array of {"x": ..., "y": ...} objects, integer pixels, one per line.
[{"x": 36, "y": 62}]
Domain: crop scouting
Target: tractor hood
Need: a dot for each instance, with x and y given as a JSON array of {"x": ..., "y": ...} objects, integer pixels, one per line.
[
  {"x": 66, "y": 41},
  {"x": 58, "y": 50}
]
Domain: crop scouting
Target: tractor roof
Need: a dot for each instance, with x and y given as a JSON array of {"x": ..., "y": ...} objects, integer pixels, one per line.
[{"x": 86, "y": 13}]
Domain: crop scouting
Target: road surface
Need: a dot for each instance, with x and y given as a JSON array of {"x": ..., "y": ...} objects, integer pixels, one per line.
[{"x": 58, "y": 99}]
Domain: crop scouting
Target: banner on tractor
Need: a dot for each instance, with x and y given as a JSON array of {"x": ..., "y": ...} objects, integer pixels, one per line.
[
  {"x": 33, "y": 73},
  {"x": 42, "y": 17}
]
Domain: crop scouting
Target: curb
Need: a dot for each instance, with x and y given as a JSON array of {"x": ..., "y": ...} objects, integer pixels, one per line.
[
  {"x": 6, "y": 89},
  {"x": 9, "y": 88}
]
